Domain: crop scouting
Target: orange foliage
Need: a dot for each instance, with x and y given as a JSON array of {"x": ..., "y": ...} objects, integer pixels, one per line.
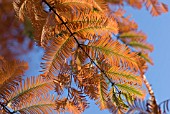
[
  {"x": 90, "y": 51},
  {"x": 13, "y": 42}
]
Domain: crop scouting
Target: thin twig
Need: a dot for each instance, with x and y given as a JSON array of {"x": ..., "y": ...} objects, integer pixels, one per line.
[{"x": 6, "y": 109}]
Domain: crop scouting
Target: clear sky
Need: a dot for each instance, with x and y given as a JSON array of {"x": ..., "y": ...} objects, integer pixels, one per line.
[{"x": 158, "y": 31}]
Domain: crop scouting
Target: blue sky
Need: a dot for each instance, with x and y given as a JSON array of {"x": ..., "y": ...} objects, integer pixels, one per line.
[{"x": 158, "y": 31}]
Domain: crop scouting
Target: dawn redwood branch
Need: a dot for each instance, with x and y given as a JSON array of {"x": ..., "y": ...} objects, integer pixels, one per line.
[{"x": 79, "y": 45}]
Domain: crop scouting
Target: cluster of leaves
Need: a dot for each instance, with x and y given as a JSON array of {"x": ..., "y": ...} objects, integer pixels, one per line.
[
  {"x": 24, "y": 96},
  {"x": 31, "y": 95},
  {"x": 154, "y": 6},
  {"x": 90, "y": 51},
  {"x": 13, "y": 34}
]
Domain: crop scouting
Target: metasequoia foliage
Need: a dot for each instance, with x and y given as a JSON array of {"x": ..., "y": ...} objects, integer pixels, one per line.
[
  {"x": 148, "y": 107},
  {"x": 90, "y": 51},
  {"x": 153, "y": 6},
  {"x": 13, "y": 34},
  {"x": 24, "y": 96}
]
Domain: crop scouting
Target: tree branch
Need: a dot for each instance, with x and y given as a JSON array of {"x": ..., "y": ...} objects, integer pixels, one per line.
[{"x": 79, "y": 45}]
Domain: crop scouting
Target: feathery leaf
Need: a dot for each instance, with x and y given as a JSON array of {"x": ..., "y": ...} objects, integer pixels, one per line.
[
  {"x": 137, "y": 106},
  {"x": 102, "y": 94},
  {"x": 43, "y": 104},
  {"x": 11, "y": 73},
  {"x": 56, "y": 52},
  {"x": 29, "y": 88},
  {"x": 117, "y": 53},
  {"x": 131, "y": 89}
]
